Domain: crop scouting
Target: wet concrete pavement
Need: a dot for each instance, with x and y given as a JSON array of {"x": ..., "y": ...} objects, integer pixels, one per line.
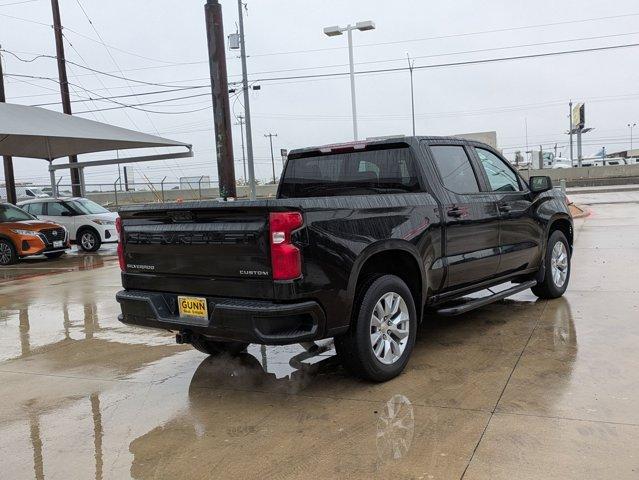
[{"x": 519, "y": 389}]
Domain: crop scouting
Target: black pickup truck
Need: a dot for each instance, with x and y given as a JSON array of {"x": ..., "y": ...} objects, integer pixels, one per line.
[{"x": 362, "y": 241}]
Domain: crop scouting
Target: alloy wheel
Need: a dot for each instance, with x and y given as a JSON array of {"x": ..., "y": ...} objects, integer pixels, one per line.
[
  {"x": 559, "y": 264},
  {"x": 5, "y": 253},
  {"x": 389, "y": 328},
  {"x": 87, "y": 240}
]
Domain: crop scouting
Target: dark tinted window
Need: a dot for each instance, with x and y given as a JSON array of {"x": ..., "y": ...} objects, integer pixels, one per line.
[
  {"x": 369, "y": 172},
  {"x": 55, "y": 209},
  {"x": 500, "y": 176},
  {"x": 455, "y": 169}
]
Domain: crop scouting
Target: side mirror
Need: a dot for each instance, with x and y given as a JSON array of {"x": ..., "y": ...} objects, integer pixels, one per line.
[{"x": 540, "y": 183}]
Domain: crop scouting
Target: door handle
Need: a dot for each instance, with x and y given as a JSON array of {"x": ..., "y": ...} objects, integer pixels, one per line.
[
  {"x": 504, "y": 207},
  {"x": 455, "y": 212}
]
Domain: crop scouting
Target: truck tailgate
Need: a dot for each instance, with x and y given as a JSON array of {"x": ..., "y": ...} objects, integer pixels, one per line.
[{"x": 215, "y": 245}]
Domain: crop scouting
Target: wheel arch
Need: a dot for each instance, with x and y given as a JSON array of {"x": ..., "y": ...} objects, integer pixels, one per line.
[
  {"x": 564, "y": 224},
  {"x": 392, "y": 257},
  {"x": 84, "y": 228}
]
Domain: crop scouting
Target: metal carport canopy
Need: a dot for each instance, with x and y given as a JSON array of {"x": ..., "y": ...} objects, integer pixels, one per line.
[{"x": 35, "y": 132}]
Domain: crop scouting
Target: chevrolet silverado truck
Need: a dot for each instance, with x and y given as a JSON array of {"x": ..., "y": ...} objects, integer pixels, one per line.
[{"x": 362, "y": 242}]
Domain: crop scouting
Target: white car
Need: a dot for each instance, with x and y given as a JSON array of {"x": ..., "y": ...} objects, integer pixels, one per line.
[{"x": 89, "y": 224}]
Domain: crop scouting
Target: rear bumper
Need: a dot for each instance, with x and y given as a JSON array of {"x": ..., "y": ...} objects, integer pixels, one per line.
[{"x": 254, "y": 321}]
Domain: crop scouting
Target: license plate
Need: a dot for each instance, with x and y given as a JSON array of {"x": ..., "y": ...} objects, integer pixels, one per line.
[
  {"x": 58, "y": 244},
  {"x": 193, "y": 307}
]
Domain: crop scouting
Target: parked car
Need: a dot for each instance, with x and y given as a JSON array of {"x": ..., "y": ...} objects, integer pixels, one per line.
[
  {"x": 24, "y": 192},
  {"x": 23, "y": 235},
  {"x": 89, "y": 224},
  {"x": 362, "y": 239}
]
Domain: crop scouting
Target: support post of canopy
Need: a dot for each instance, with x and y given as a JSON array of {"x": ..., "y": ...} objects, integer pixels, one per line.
[{"x": 54, "y": 187}]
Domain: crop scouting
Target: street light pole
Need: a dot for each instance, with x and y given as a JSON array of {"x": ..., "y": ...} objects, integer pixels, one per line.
[
  {"x": 336, "y": 30},
  {"x": 411, "y": 63},
  {"x": 352, "y": 72}
]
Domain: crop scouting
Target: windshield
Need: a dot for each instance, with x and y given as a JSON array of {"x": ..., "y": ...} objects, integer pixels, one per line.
[
  {"x": 86, "y": 207},
  {"x": 367, "y": 172},
  {"x": 9, "y": 213}
]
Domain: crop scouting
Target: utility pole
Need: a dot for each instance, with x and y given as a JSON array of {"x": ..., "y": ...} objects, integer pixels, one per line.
[
  {"x": 570, "y": 131},
  {"x": 630, "y": 126},
  {"x": 220, "y": 97},
  {"x": 270, "y": 138},
  {"x": 76, "y": 186},
  {"x": 247, "y": 107},
  {"x": 9, "y": 178},
  {"x": 126, "y": 180},
  {"x": 240, "y": 122},
  {"x": 411, "y": 64}
]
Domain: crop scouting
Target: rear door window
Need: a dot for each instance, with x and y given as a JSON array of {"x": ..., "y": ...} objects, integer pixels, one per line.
[
  {"x": 35, "y": 208},
  {"x": 367, "y": 172},
  {"x": 455, "y": 169}
]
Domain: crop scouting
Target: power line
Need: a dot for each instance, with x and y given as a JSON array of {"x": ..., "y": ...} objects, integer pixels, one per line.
[
  {"x": 454, "y": 64},
  {"x": 317, "y": 67},
  {"x": 400, "y": 69}
]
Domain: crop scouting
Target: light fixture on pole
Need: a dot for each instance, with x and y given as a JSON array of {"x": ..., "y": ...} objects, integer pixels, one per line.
[
  {"x": 336, "y": 30},
  {"x": 631, "y": 126}
]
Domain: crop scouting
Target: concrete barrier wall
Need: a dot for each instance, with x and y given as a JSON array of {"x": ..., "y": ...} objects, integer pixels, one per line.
[{"x": 590, "y": 176}]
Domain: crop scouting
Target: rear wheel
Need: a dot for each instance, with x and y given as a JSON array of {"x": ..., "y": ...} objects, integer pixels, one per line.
[
  {"x": 557, "y": 268},
  {"x": 89, "y": 240},
  {"x": 8, "y": 254},
  {"x": 54, "y": 254},
  {"x": 212, "y": 347},
  {"x": 382, "y": 336}
]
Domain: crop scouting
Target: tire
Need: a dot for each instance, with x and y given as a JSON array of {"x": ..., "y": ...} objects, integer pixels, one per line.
[
  {"x": 355, "y": 349},
  {"x": 54, "y": 255},
  {"x": 88, "y": 240},
  {"x": 214, "y": 348},
  {"x": 8, "y": 253},
  {"x": 556, "y": 277}
]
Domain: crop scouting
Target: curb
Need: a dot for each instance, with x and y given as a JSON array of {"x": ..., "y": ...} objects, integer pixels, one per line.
[{"x": 578, "y": 211}]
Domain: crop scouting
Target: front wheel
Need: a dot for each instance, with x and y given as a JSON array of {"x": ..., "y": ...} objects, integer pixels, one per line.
[
  {"x": 214, "y": 348},
  {"x": 382, "y": 336},
  {"x": 557, "y": 268},
  {"x": 8, "y": 254},
  {"x": 89, "y": 240}
]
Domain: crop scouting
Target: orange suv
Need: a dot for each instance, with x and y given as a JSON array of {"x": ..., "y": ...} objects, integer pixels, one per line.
[{"x": 23, "y": 235}]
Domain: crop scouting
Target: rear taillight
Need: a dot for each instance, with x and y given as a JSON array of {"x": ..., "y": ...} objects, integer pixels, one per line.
[
  {"x": 118, "y": 228},
  {"x": 286, "y": 260}
]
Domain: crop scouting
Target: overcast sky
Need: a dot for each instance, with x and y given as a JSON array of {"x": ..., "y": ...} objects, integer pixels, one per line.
[{"x": 164, "y": 42}]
